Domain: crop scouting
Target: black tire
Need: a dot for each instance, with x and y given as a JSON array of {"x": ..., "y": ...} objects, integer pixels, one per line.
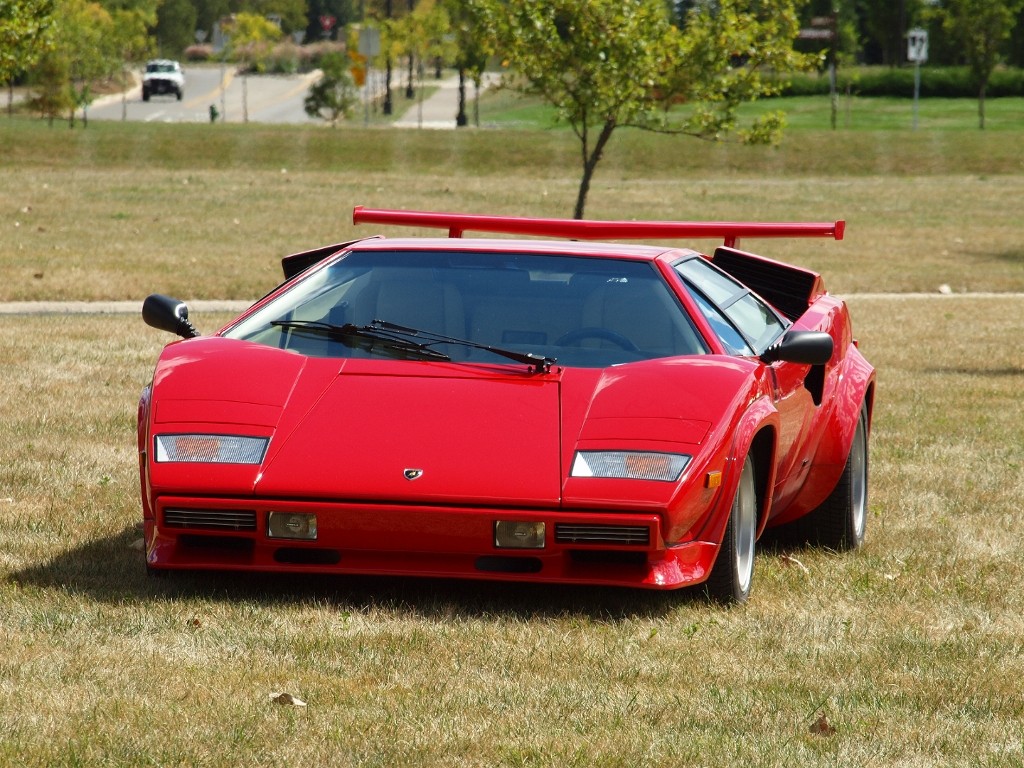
[
  {"x": 179, "y": 94},
  {"x": 840, "y": 521},
  {"x": 145, "y": 94},
  {"x": 732, "y": 575}
]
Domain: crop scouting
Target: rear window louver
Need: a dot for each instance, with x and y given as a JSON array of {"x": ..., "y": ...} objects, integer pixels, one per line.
[{"x": 788, "y": 289}]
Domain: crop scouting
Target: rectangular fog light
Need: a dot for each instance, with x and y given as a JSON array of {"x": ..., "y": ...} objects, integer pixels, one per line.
[
  {"x": 511, "y": 534},
  {"x": 291, "y": 525}
]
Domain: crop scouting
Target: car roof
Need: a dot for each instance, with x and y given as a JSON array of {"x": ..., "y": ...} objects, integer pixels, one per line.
[{"x": 631, "y": 251}]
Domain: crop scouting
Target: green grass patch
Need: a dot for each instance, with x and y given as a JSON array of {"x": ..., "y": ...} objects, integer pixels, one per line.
[
  {"x": 122, "y": 210},
  {"x": 911, "y": 648}
]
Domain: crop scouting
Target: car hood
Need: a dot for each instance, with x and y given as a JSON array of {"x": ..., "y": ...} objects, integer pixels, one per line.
[{"x": 419, "y": 432}]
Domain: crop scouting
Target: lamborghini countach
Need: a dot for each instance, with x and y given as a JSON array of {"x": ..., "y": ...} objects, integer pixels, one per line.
[{"x": 550, "y": 403}]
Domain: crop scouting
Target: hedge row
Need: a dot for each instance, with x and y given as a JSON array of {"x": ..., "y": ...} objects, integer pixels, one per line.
[
  {"x": 946, "y": 82},
  {"x": 280, "y": 58}
]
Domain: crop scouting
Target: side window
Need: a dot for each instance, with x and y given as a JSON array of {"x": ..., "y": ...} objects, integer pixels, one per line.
[
  {"x": 742, "y": 321},
  {"x": 725, "y": 331}
]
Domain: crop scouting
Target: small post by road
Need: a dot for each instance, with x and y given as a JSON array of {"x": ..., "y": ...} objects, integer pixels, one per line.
[{"x": 917, "y": 52}]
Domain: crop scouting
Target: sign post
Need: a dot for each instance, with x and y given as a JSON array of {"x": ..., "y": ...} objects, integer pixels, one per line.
[
  {"x": 369, "y": 47},
  {"x": 917, "y": 52},
  {"x": 826, "y": 29}
]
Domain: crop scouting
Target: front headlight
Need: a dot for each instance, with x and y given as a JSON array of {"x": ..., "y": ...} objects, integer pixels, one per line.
[
  {"x": 211, "y": 449},
  {"x": 632, "y": 465}
]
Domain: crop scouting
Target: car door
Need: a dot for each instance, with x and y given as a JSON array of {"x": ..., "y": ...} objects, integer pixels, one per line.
[{"x": 747, "y": 325}]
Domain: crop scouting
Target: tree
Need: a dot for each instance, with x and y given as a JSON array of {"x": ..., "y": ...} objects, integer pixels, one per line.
[
  {"x": 471, "y": 50},
  {"x": 26, "y": 28},
  {"x": 422, "y": 34},
  {"x": 51, "y": 95},
  {"x": 132, "y": 42},
  {"x": 885, "y": 24},
  {"x": 251, "y": 39},
  {"x": 609, "y": 64},
  {"x": 334, "y": 95},
  {"x": 982, "y": 27},
  {"x": 87, "y": 40},
  {"x": 176, "y": 26}
]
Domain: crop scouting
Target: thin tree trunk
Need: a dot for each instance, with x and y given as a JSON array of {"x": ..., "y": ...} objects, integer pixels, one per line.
[
  {"x": 981, "y": 107},
  {"x": 590, "y": 164},
  {"x": 460, "y": 118}
]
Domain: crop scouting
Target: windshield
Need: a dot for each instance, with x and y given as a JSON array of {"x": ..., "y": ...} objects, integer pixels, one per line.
[{"x": 580, "y": 311}]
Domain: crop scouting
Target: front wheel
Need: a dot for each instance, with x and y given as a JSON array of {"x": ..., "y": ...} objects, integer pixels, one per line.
[{"x": 733, "y": 572}]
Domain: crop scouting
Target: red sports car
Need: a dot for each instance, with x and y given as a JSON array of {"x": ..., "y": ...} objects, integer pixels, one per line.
[{"x": 548, "y": 410}]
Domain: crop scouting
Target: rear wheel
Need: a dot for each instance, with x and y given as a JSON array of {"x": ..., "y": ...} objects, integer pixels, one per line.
[
  {"x": 840, "y": 521},
  {"x": 733, "y": 572}
]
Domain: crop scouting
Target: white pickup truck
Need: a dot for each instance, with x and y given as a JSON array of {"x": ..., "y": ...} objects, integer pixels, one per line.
[{"x": 163, "y": 76}]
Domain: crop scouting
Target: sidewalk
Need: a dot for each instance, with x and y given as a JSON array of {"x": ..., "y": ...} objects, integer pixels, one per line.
[{"x": 438, "y": 111}]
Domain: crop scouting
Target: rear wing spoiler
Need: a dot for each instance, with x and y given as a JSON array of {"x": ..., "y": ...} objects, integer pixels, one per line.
[{"x": 729, "y": 232}]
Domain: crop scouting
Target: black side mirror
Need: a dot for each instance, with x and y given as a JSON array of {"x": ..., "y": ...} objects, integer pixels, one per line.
[
  {"x": 804, "y": 347},
  {"x": 167, "y": 314}
]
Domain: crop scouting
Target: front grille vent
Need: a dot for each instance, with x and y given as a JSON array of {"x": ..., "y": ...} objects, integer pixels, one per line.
[
  {"x": 211, "y": 519},
  {"x": 629, "y": 535}
]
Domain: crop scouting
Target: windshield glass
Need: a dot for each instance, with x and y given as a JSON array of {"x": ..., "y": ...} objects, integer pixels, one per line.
[{"x": 584, "y": 312}]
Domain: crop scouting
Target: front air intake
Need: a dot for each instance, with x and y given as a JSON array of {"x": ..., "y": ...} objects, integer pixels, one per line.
[
  {"x": 211, "y": 519},
  {"x": 619, "y": 535}
]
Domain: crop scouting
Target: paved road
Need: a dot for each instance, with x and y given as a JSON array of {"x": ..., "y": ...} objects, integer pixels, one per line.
[
  {"x": 268, "y": 98},
  {"x": 265, "y": 99}
]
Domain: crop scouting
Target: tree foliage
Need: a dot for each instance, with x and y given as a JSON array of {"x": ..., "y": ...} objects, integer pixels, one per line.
[
  {"x": 981, "y": 27},
  {"x": 609, "y": 64},
  {"x": 26, "y": 32},
  {"x": 334, "y": 95}
]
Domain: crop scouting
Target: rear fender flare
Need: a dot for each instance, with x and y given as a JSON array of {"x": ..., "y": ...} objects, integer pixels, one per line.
[{"x": 856, "y": 391}]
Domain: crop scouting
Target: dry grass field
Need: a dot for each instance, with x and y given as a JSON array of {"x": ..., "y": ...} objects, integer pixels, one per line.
[{"x": 908, "y": 653}]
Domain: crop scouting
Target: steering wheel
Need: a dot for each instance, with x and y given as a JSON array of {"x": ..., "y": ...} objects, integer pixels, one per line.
[{"x": 593, "y": 332}]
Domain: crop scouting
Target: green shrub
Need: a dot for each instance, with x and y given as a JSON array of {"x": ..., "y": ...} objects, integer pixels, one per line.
[{"x": 938, "y": 82}]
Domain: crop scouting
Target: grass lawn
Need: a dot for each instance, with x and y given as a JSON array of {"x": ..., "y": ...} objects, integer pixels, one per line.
[{"x": 908, "y": 652}]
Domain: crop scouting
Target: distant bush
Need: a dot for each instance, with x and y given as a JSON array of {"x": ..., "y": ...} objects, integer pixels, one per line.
[
  {"x": 284, "y": 58},
  {"x": 199, "y": 53},
  {"x": 938, "y": 82}
]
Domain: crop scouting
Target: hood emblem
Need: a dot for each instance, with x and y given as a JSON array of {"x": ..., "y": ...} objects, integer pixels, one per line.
[{"x": 412, "y": 474}]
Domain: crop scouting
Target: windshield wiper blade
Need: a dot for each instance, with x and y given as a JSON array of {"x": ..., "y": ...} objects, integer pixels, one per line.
[
  {"x": 365, "y": 337},
  {"x": 538, "y": 363}
]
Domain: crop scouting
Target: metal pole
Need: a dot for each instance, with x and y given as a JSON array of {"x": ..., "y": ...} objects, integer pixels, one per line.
[{"x": 917, "y": 89}]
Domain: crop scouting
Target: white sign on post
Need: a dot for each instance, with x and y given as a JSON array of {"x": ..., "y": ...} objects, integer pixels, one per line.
[
  {"x": 369, "y": 41},
  {"x": 917, "y": 45}
]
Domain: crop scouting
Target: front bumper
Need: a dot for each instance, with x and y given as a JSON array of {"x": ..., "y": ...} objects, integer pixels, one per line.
[
  {"x": 162, "y": 86},
  {"x": 621, "y": 549}
]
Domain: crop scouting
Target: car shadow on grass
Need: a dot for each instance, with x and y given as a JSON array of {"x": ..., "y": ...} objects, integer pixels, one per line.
[{"x": 112, "y": 569}]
